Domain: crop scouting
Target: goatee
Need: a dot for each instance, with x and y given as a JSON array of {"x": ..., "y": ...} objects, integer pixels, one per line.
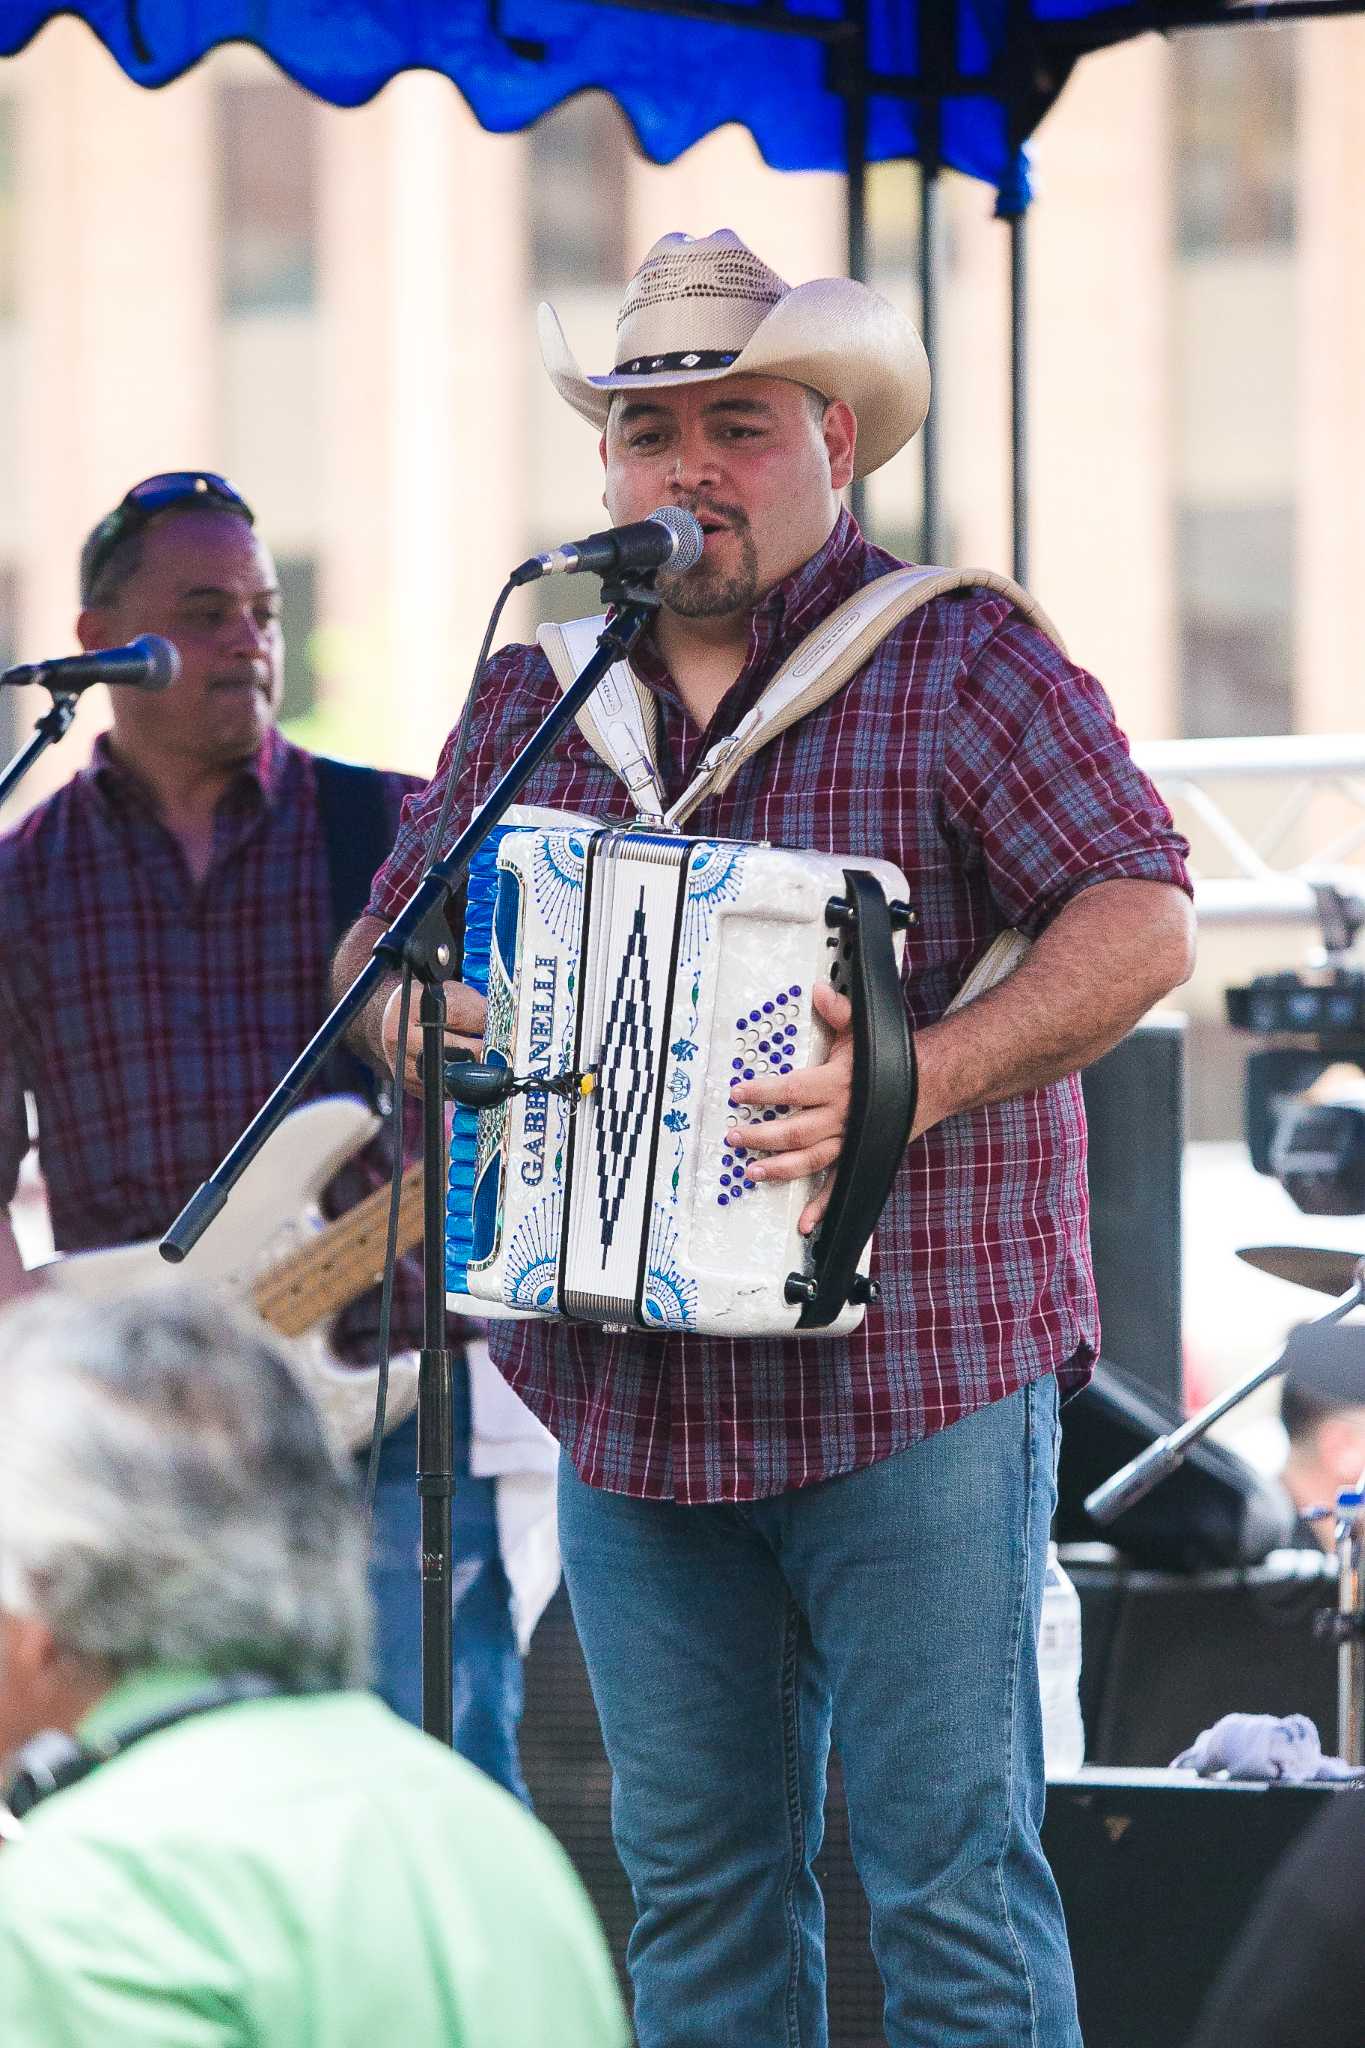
[{"x": 707, "y": 593}]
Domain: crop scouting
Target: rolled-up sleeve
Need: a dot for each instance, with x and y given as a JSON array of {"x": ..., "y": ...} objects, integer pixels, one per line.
[{"x": 1040, "y": 786}]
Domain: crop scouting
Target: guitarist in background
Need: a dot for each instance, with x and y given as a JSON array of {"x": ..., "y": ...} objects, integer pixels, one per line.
[{"x": 166, "y": 922}]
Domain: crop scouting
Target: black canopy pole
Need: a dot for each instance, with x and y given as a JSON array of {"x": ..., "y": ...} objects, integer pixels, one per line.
[
  {"x": 855, "y": 187},
  {"x": 1012, "y": 203},
  {"x": 1019, "y": 335},
  {"x": 847, "y": 71},
  {"x": 937, "y": 64},
  {"x": 930, "y": 238}
]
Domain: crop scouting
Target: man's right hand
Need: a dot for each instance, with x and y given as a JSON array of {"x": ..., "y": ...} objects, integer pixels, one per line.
[{"x": 465, "y": 1012}]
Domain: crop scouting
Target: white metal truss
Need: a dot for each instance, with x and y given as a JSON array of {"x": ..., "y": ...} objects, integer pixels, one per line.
[{"x": 1295, "y": 850}]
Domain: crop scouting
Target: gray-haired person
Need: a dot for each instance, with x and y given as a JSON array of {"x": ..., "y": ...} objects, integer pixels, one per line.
[{"x": 223, "y": 1838}]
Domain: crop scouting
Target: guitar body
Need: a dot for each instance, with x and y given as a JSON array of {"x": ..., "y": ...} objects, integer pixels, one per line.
[{"x": 272, "y": 1221}]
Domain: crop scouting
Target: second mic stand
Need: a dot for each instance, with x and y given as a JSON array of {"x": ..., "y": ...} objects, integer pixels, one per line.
[
  {"x": 420, "y": 939},
  {"x": 54, "y": 725},
  {"x": 1135, "y": 1480}
]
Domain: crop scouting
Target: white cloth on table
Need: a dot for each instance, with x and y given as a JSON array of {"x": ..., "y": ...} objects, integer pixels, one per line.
[{"x": 1279, "y": 1748}]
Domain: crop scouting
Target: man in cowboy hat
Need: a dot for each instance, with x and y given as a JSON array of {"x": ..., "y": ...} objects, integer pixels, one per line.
[{"x": 769, "y": 1543}]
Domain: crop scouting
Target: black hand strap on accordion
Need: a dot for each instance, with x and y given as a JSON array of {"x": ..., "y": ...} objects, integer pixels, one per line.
[{"x": 881, "y": 1110}]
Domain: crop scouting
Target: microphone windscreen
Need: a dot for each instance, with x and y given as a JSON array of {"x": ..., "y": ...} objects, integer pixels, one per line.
[
  {"x": 688, "y": 538},
  {"x": 162, "y": 658}
]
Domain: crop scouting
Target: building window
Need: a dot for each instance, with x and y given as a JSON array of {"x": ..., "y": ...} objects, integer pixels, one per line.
[
  {"x": 9, "y": 211},
  {"x": 298, "y": 618},
  {"x": 1234, "y": 134},
  {"x": 266, "y": 153},
  {"x": 1236, "y": 570},
  {"x": 577, "y": 194}
]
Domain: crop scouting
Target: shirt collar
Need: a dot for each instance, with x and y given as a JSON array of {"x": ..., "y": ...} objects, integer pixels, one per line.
[
  {"x": 257, "y": 780},
  {"x": 138, "y": 1696},
  {"x": 779, "y": 621}
]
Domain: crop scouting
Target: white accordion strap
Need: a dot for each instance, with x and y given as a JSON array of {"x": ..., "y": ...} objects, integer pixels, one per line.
[
  {"x": 621, "y": 721},
  {"x": 834, "y": 652},
  {"x": 1000, "y": 959}
]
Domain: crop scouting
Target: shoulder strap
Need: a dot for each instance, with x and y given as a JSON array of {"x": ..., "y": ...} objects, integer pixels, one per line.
[
  {"x": 620, "y": 721},
  {"x": 357, "y": 834},
  {"x": 818, "y": 669},
  {"x": 621, "y": 726}
]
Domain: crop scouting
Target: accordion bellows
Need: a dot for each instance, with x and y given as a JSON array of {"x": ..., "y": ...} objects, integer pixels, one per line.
[{"x": 638, "y": 975}]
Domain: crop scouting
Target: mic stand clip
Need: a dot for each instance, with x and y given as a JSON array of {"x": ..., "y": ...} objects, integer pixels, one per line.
[{"x": 54, "y": 725}]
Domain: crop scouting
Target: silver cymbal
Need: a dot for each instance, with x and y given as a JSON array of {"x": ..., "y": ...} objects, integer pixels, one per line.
[{"x": 1307, "y": 1265}]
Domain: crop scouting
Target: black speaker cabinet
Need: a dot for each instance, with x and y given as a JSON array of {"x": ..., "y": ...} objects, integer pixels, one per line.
[
  {"x": 1164, "y": 1654},
  {"x": 1135, "y": 1109},
  {"x": 1158, "y": 1873}
]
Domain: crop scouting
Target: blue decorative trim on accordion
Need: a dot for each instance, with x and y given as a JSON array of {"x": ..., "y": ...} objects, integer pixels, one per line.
[
  {"x": 473, "y": 1184},
  {"x": 533, "y": 1258},
  {"x": 670, "y": 1294}
]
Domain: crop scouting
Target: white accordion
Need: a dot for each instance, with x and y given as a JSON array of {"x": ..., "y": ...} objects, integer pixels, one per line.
[{"x": 633, "y": 977}]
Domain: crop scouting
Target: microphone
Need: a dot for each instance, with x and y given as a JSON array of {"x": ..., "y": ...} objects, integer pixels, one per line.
[
  {"x": 147, "y": 663},
  {"x": 669, "y": 539}
]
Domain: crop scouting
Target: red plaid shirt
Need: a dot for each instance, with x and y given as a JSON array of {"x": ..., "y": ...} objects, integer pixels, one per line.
[
  {"x": 148, "y": 1015},
  {"x": 971, "y": 753}
]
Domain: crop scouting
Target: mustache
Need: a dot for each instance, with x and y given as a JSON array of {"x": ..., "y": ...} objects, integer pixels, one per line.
[{"x": 733, "y": 515}]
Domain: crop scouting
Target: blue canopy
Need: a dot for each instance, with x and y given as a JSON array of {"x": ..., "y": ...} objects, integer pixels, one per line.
[
  {"x": 788, "y": 70},
  {"x": 819, "y": 83}
]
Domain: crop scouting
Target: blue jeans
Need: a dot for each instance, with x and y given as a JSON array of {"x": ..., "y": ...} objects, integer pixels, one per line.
[
  {"x": 487, "y": 1695},
  {"x": 898, "y": 1608}
]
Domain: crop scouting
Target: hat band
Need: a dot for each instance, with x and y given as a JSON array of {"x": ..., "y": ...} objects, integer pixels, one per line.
[{"x": 690, "y": 359}]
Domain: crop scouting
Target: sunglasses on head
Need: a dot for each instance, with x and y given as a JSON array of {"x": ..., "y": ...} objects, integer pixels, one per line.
[{"x": 156, "y": 494}]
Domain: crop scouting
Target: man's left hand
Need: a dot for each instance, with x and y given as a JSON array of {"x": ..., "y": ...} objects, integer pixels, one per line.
[{"x": 809, "y": 1138}]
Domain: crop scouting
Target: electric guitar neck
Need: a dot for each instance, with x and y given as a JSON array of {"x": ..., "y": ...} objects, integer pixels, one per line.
[{"x": 344, "y": 1259}]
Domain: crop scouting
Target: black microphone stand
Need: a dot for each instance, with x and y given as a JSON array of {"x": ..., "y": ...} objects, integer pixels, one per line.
[
  {"x": 420, "y": 939},
  {"x": 54, "y": 725}
]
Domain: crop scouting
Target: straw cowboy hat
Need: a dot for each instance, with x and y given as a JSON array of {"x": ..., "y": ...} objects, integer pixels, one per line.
[{"x": 696, "y": 311}]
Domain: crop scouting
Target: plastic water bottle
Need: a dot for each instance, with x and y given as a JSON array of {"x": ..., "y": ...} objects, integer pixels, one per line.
[{"x": 1059, "y": 1672}]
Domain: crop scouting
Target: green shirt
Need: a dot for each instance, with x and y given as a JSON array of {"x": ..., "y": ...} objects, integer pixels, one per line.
[{"x": 293, "y": 1873}]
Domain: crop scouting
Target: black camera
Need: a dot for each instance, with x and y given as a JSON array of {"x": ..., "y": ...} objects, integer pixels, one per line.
[{"x": 1313, "y": 1145}]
